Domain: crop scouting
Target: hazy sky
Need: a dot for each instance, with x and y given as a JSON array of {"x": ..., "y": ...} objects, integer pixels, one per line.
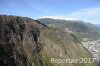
[{"x": 87, "y": 10}]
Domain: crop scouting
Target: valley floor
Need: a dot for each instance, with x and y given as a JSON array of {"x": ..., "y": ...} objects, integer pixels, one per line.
[{"x": 93, "y": 47}]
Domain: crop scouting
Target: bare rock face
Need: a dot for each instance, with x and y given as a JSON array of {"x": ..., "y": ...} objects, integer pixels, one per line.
[
  {"x": 19, "y": 41},
  {"x": 27, "y": 42}
]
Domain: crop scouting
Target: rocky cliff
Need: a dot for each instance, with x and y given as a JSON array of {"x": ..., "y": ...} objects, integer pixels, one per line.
[{"x": 28, "y": 42}]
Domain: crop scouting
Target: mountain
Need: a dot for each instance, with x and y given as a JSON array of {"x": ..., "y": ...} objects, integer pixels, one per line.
[
  {"x": 80, "y": 28},
  {"x": 58, "y": 18},
  {"x": 88, "y": 34},
  {"x": 28, "y": 42}
]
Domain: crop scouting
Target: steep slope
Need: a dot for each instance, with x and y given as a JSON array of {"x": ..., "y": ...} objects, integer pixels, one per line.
[
  {"x": 18, "y": 41},
  {"x": 27, "y": 42},
  {"x": 80, "y": 28},
  {"x": 87, "y": 33}
]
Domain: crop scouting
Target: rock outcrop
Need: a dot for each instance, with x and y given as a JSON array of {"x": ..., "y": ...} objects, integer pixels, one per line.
[
  {"x": 19, "y": 41},
  {"x": 28, "y": 42}
]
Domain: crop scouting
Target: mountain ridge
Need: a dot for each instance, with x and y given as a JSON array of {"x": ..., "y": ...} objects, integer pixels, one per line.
[
  {"x": 58, "y": 18},
  {"x": 76, "y": 26},
  {"x": 27, "y": 42}
]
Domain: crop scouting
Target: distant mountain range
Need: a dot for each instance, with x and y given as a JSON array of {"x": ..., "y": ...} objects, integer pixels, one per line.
[
  {"x": 80, "y": 28},
  {"x": 59, "y": 18}
]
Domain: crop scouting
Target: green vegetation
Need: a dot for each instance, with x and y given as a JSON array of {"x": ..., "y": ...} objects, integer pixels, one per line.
[
  {"x": 35, "y": 44},
  {"x": 79, "y": 28},
  {"x": 64, "y": 46}
]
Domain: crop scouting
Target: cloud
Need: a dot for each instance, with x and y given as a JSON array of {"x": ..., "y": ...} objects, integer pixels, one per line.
[
  {"x": 86, "y": 12},
  {"x": 91, "y": 15},
  {"x": 59, "y": 17}
]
